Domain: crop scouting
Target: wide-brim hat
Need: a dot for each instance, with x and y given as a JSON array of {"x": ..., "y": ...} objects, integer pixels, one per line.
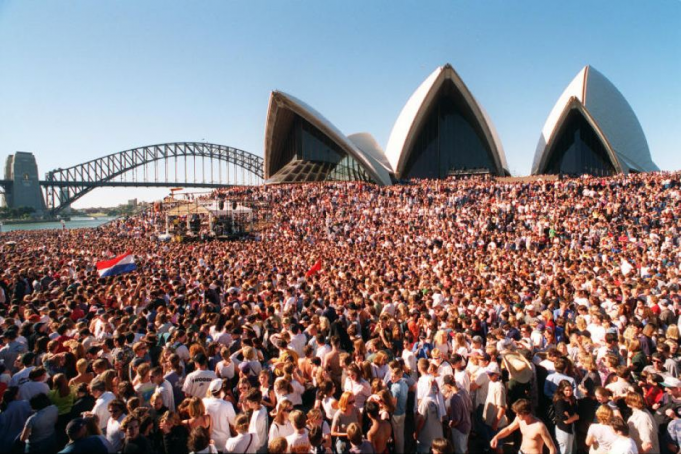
[{"x": 519, "y": 368}]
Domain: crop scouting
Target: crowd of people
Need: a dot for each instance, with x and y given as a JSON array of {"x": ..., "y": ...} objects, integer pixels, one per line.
[{"x": 457, "y": 316}]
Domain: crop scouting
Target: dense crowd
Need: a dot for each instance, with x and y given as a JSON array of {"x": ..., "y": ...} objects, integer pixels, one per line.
[{"x": 436, "y": 316}]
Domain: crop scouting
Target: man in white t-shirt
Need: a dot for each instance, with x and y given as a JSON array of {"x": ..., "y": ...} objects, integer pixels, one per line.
[
  {"x": 259, "y": 421},
  {"x": 196, "y": 384},
  {"x": 494, "y": 412},
  {"x": 163, "y": 387},
  {"x": 103, "y": 398},
  {"x": 322, "y": 347},
  {"x": 443, "y": 367},
  {"x": 461, "y": 377},
  {"x": 221, "y": 412}
]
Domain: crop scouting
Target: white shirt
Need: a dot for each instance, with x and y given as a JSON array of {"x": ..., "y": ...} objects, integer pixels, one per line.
[
  {"x": 604, "y": 435},
  {"x": 443, "y": 370},
  {"x": 258, "y": 426},
  {"x": 297, "y": 441},
  {"x": 242, "y": 443},
  {"x": 361, "y": 390},
  {"x": 643, "y": 429},
  {"x": 226, "y": 370},
  {"x": 166, "y": 391},
  {"x": 422, "y": 391},
  {"x": 222, "y": 414},
  {"x": 496, "y": 399},
  {"x": 196, "y": 383},
  {"x": 101, "y": 409},
  {"x": 322, "y": 351},
  {"x": 114, "y": 434},
  {"x": 482, "y": 380},
  {"x": 463, "y": 381},
  {"x": 298, "y": 343},
  {"x": 623, "y": 445},
  {"x": 281, "y": 431}
]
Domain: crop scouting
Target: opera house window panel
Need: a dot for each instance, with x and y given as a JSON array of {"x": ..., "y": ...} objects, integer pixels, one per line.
[
  {"x": 313, "y": 156},
  {"x": 578, "y": 149},
  {"x": 443, "y": 130},
  {"x": 449, "y": 140}
]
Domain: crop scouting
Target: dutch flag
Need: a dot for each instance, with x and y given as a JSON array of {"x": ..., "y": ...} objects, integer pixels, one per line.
[{"x": 119, "y": 265}]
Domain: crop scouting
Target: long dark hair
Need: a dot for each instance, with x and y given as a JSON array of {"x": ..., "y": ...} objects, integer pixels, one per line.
[{"x": 559, "y": 395}]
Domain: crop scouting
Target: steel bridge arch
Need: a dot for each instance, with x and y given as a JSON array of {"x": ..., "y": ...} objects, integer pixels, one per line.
[{"x": 76, "y": 181}]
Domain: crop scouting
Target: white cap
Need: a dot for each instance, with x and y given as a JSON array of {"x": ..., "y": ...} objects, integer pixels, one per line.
[
  {"x": 671, "y": 382},
  {"x": 493, "y": 368},
  {"x": 215, "y": 386}
]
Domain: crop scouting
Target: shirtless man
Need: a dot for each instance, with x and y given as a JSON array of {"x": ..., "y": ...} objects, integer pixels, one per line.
[
  {"x": 331, "y": 362},
  {"x": 535, "y": 434},
  {"x": 380, "y": 430}
]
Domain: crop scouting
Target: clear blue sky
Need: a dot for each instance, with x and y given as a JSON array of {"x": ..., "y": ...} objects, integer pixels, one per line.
[{"x": 80, "y": 79}]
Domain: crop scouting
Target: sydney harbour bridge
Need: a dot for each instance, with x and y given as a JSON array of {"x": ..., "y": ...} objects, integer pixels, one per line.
[{"x": 183, "y": 164}]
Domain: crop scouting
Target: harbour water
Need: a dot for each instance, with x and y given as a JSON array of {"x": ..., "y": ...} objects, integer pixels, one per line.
[{"x": 74, "y": 223}]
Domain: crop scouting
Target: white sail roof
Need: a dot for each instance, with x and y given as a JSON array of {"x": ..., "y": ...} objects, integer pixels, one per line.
[
  {"x": 613, "y": 119},
  {"x": 414, "y": 114},
  {"x": 280, "y": 101}
]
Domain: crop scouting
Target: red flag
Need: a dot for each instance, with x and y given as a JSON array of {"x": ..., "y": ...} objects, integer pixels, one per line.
[{"x": 315, "y": 268}]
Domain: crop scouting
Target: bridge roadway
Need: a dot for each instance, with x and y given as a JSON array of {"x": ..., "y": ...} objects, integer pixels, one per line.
[
  {"x": 124, "y": 184},
  {"x": 128, "y": 184}
]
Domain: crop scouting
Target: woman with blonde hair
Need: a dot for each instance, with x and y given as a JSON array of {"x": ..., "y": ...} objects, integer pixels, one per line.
[
  {"x": 281, "y": 426},
  {"x": 63, "y": 397},
  {"x": 442, "y": 342},
  {"x": 601, "y": 435},
  {"x": 243, "y": 442},
  {"x": 379, "y": 366},
  {"x": 174, "y": 432},
  {"x": 225, "y": 367},
  {"x": 325, "y": 399},
  {"x": 347, "y": 414},
  {"x": 283, "y": 390},
  {"x": 645, "y": 435},
  {"x": 197, "y": 415},
  {"x": 250, "y": 356},
  {"x": 83, "y": 375},
  {"x": 315, "y": 418},
  {"x": 460, "y": 345},
  {"x": 297, "y": 389},
  {"x": 110, "y": 379},
  {"x": 672, "y": 332}
]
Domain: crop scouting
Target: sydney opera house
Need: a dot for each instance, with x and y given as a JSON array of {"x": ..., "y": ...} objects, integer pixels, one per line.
[{"x": 443, "y": 131}]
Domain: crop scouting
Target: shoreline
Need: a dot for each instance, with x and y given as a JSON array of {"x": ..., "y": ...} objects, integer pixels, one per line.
[{"x": 31, "y": 221}]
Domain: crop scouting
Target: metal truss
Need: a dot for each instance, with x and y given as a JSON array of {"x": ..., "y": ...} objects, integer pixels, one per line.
[{"x": 65, "y": 186}]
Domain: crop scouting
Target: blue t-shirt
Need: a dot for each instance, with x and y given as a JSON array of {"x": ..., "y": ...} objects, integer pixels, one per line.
[{"x": 399, "y": 390}]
